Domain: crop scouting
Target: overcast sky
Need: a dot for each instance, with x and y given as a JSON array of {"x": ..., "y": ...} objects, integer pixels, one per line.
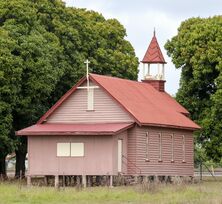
[{"x": 141, "y": 16}]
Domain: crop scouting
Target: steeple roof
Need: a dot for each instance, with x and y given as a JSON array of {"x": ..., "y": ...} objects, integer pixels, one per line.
[{"x": 153, "y": 53}]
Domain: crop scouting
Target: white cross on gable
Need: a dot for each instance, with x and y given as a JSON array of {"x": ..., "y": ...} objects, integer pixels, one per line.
[
  {"x": 87, "y": 62},
  {"x": 90, "y": 89}
]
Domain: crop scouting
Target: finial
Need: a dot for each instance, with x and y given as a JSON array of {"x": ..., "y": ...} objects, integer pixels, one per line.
[{"x": 154, "y": 32}]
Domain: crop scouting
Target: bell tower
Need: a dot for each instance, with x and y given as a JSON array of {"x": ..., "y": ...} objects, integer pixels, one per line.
[{"x": 154, "y": 61}]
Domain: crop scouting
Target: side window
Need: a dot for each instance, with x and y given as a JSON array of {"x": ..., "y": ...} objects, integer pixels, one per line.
[
  {"x": 160, "y": 146},
  {"x": 147, "y": 146},
  {"x": 183, "y": 148},
  {"x": 70, "y": 149},
  {"x": 172, "y": 148}
]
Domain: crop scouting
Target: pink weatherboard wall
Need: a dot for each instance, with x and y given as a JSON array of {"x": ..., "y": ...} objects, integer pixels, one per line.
[
  {"x": 74, "y": 109},
  {"x": 100, "y": 156},
  {"x": 137, "y": 152}
]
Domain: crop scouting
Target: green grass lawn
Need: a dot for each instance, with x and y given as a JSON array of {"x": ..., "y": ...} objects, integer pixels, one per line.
[{"x": 206, "y": 192}]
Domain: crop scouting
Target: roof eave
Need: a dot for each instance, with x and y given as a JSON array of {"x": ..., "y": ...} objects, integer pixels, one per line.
[
  {"x": 153, "y": 62},
  {"x": 172, "y": 126},
  {"x": 24, "y": 132},
  {"x": 53, "y": 133}
]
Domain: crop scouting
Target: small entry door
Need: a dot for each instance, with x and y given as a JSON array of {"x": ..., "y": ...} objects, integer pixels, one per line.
[{"x": 120, "y": 152}]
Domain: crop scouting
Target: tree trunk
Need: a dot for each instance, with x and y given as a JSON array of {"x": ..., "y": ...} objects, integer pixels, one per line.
[
  {"x": 3, "y": 174},
  {"x": 20, "y": 164}
]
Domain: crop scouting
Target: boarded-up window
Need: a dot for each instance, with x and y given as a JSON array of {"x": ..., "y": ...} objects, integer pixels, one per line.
[
  {"x": 77, "y": 149},
  {"x": 63, "y": 149},
  {"x": 160, "y": 146},
  {"x": 147, "y": 146},
  {"x": 172, "y": 147},
  {"x": 90, "y": 102},
  {"x": 183, "y": 146}
]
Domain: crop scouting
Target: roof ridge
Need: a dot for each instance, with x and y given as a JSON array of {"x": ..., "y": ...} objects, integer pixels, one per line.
[{"x": 117, "y": 78}]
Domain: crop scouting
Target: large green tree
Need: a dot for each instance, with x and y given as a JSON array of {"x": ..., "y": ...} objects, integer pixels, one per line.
[
  {"x": 43, "y": 47},
  {"x": 10, "y": 75},
  {"x": 197, "y": 51}
]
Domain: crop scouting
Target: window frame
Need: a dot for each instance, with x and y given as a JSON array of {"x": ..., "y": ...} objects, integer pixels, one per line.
[{"x": 70, "y": 149}]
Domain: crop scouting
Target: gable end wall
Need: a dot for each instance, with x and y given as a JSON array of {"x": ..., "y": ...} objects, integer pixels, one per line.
[{"x": 74, "y": 109}]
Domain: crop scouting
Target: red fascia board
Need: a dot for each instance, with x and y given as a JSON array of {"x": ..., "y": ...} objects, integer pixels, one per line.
[
  {"x": 171, "y": 126},
  {"x": 153, "y": 62},
  {"x": 100, "y": 85},
  {"x": 60, "y": 101},
  {"x": 51, "y": 133},
  {"x": 70, "y": 132}
]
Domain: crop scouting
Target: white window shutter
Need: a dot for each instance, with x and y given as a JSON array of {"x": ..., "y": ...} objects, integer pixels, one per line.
[
  {"x": 63, "y": 149},
  {"x": 77, "y": 149}
]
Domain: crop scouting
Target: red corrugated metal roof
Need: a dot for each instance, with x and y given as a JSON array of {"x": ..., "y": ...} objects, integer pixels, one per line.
[
  {"x": 75, "y": 129},
  {"x": 170, "y": 101},
  {"x": 147, "y": 105},
  {"x": 153, "y": 53}
]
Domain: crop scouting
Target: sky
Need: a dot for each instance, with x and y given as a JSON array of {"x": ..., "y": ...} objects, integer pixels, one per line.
[{"x": 140, "y": 17}]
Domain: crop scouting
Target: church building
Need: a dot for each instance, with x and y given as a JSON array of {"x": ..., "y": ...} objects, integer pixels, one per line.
[{"x": 110, "y": 126}]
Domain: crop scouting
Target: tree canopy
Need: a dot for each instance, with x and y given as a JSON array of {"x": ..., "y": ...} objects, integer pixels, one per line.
[
  {"x": 43, "y": 47},
  {"x": 197, "y": 51}
]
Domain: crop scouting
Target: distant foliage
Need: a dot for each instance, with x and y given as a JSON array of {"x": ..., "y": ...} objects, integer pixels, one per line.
[
  {"x": 197, "y": 51},
  {"x": 43, "y": 47}
]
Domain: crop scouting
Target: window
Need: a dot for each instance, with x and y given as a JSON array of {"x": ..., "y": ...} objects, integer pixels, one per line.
[
  {"x": 70, "y": 149},
  {"x": 160, "y": 147},
  {"x": 63, "y": 149},
  {"x": 77, "y": 149},
  {"x": 90, "y": 101},
  {"x": 183, "y": 146},
  {"x": 172, "y": 148},
  {"x": 147, "y": 146}
]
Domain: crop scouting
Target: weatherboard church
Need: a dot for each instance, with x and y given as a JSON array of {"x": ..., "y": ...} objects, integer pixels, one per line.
[{"x": 110, "y": 126}]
